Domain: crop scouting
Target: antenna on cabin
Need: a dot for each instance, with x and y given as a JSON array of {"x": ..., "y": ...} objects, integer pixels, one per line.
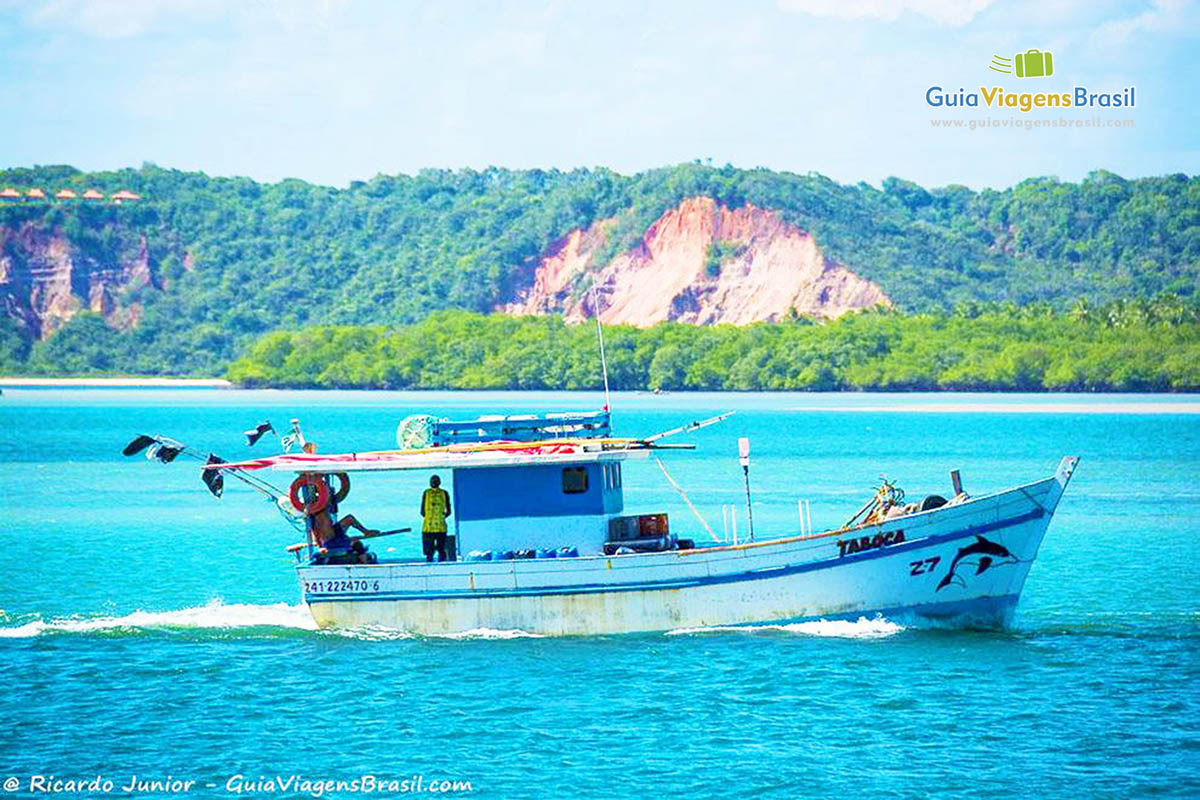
[{"x": 603, "y": 362}]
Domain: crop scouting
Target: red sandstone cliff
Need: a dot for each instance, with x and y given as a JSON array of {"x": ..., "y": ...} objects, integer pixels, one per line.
[
  {"x": 700, "y": 262},
  {"x": 45, "y": 279}
]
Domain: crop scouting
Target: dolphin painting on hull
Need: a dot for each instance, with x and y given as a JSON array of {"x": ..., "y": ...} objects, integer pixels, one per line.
[{"x": 990, "y": 554}]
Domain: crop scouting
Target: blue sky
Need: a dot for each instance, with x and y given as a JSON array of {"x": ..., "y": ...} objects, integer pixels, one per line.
[{"x": 336, "y": 91}]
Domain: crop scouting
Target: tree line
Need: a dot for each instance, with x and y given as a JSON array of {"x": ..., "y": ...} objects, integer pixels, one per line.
[
  {"x": 1125, "y": 346},
  {"x": 233, "y": 259}
]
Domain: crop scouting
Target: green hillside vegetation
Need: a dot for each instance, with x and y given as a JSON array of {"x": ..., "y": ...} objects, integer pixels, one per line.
[
  {"x": 1121, "y": 347},
  {"x": 235, "y": 259}
]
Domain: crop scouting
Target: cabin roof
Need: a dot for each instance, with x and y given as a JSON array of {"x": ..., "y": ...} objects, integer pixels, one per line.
[{"x": 499, "y": 454}]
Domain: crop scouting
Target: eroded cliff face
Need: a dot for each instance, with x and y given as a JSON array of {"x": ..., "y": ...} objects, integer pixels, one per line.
[
  {"x": 45, "y": 279},
  {"x": 701, "y": 263}
]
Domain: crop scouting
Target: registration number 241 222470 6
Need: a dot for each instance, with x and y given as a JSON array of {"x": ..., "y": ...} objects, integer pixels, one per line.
[{"x": 341, "y": 585}]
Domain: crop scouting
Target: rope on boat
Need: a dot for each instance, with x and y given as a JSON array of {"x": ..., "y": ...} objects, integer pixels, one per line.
[
  {"x": 166, "y": 450},
  {"x": 683, "y": 494}
]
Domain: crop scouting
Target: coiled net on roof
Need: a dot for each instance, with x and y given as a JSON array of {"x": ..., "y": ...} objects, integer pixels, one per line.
[{"x": 416, "y": 431}]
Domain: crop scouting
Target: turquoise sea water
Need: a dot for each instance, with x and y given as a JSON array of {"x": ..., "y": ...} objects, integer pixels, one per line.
[{"x": 147, "y": 628}]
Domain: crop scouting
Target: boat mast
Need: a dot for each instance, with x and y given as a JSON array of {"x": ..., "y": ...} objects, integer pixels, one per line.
[{"x": 603, "y": 362}]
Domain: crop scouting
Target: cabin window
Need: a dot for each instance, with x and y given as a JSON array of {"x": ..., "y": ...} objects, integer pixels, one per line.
[
  {"x": 616, "y": 476},
  {"x": 574, "y": 480}
]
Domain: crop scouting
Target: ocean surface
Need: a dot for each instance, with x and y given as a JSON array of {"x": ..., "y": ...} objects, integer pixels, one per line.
[{"x": 149, "y": 629}]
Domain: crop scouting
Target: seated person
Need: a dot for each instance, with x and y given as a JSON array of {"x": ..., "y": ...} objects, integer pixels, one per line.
[{"x": 331, "y": 534}]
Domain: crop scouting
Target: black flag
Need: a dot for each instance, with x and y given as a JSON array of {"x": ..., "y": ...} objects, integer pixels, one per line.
[
  {"x": 213, "y": 478},
  {"x": 254, "y": 435},
  {"x": 138, "y": 445},
  {"x": 166, "y": 454}
]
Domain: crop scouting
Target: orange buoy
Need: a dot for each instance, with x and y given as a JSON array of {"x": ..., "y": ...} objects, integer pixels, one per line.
[{"x": 316, "y": 504}]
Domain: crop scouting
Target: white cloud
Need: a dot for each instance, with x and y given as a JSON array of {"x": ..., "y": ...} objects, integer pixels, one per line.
[
  {"x": 954, "y": 13},
  {"x": 109, "y": 19},
  {"x": 1163, "y": 16},
  {"x": 124, "y": 19}
]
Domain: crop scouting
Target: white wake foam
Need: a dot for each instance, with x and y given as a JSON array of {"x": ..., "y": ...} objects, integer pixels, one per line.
[
  {"x": 369, "y": 633},
  {"x": 382, "y": 633},
  {"x": 214, "y": 615},
  {"x": 490, "y": 633},
  {"x": 863, "y": 628},
  {"x": 219, "y": 616}
]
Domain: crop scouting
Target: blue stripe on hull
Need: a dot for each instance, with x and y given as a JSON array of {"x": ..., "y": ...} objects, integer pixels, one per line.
[{"x": 589, "y": 588}]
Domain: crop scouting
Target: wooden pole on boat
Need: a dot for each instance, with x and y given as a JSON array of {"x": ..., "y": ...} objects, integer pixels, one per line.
[
  {"x": 956, "y": 482},
  {"x": 292, "y": 548},
  {"x": 744, "y": 458},
  {"x": 377, "y": 534},
  {"x": 691, "y": 426}
]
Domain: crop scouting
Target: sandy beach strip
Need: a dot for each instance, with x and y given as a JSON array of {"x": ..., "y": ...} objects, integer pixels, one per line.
[
  {"x": 116, "y": 383},
  {"x": 1097, "y": 407}
]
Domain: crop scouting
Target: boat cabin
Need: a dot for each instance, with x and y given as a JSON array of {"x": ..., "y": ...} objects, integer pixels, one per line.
[
  {"x": 525, "y": 486},
  {"x": 536, "y": 506}
]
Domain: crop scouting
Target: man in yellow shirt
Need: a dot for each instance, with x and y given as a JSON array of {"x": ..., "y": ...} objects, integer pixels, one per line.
[{"x": 435, "y": 508}]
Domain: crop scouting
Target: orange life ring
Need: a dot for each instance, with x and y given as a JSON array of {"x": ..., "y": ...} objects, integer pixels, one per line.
[
  {"x": 343, "y": 488},
  {"x": 317, "y": 504}
]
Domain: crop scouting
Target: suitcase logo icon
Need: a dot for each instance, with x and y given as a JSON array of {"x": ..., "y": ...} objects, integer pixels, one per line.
[{"x": 1032, "y": 63}]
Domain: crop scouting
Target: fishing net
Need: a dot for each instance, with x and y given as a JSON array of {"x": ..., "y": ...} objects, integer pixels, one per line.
[{"x": 415, "y": 432}]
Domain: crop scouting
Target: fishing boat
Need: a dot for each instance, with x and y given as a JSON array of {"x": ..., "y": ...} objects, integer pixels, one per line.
[{"x": 540, "y": 540}]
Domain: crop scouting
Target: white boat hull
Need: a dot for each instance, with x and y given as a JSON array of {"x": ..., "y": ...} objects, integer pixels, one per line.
[{"x": 963, "y": 564}]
